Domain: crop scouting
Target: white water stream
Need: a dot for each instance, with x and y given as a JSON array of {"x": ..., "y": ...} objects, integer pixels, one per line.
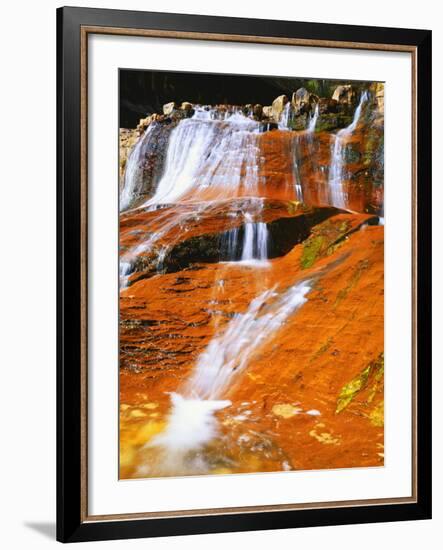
[
  {"x": 204, "y": 152},
  {"x": 313, "y": 119},
  {"x": 191, "y": 423},
  {"x": 133, "y": 182},
  {"x": 336, "y": 193},
  {"x": 253, "y": 248},
  {"x": 283, "y": 123}
]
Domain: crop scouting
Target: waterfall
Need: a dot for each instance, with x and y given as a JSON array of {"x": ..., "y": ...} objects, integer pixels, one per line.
[
  {"x": 296, "y": 171},
  {"x": 191, "y": 422},
  {"x": 206, "y": 153},
  {"x": 133, "y": 181},
  {"x": 253, "y": 248},
  {"x": 229, "y": 353},
  {"x": 125, "y": 268},
  {"x": 230, "y": 244},
  {"x": 255, "y": 245},
  {"x": 313, "y": 119},
  {"x": 284, "y": 117},
  {"x": 335, "y": 183}
]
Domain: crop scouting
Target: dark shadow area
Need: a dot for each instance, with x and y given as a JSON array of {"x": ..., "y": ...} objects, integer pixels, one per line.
[
  {"x": 145, "y": 92},
  {"x": 47, "y": 529},
  {"x": 283, "y": 235}
]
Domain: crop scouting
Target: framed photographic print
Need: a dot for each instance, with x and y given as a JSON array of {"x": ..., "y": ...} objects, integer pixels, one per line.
[{"x": 244, "y": 274}]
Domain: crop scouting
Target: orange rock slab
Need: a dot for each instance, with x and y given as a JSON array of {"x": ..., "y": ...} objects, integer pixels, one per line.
[{"x": 284, "y": 405}]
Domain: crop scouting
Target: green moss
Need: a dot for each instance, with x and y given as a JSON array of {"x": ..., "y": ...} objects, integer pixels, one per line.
[
  {"x": 311, "y": 250},
  {"x": 323, "y": 241},
  {"x": 332, "y": 121},
  {"x": 298, "y": 123},
  {"x": 359, "y": 383}
]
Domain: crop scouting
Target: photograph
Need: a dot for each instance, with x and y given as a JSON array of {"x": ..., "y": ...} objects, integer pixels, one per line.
[
  {"x": 251, "y": 273},
  {"x": 218, "y": 296}
]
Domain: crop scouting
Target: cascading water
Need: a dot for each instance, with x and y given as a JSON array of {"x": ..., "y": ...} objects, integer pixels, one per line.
[
  {"x": 228, "y": 354},
  {"x": 215, "y": 154},
  {"x": 309, "y": 137},
  {"x": 253, "y": 248},
  {"x": 284, "y": 117},
  {"x": 133, "y": 182},
  {"x": 336, "y": 194},
  {"x": 211, "y": 152},
  {"x": 191, "y": 422},
  {"x": 313, "y": 119},
  {"x": 296, "y": 171},
  {"x": 201, "y": 314},
  {"x": 205, "y": 153}
]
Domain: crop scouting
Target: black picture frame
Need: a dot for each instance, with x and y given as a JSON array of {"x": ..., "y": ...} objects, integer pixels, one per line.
[{"x": 72, "y": 525}]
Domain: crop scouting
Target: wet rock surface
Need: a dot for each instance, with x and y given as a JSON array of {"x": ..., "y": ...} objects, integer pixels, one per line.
[
  {"x": 169, "y": 319},
  {"x": 288, "y": 223},
  {"x": 251, "y": 303}
]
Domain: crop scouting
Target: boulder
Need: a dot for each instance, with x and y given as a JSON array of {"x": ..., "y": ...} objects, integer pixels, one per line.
[
  {"x": 257, "y": 110},
  {"x": 326, "y": 105},
  {"x": 267, "y": 111},
  {"x": 145, "y": 122},
  {"x": 185, "y": 106},
  {"x": 301, "y": 100},
  {"x": 344, "y": 94},
  {"x": 278, "y": 105},
  {"x": 169, "y": 108},
  {"x": 313, "y": 100}
]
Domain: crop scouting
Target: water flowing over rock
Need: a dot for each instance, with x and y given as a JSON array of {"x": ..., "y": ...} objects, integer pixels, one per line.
[
  {"x": 251, "y": 247},
  {"x": 337, "y": 194},
  {"x": 285, "y": 117},
  {"x": 251, "y": 287},
  {"x": 209, "y": 155},
  {"x": 313, "y": 119},
  {"x": 229, "y": 354},
  {"x": 144, "y": 165},
  {"x": 278, "y": 106}
]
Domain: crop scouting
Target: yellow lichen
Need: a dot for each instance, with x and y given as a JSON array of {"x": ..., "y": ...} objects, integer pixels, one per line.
[
  {"x": 285, "y": 410},
  {"x": 376, "y": 416},
  {"x": 350, "y": 390},
  {"x": 324, "y": 437},
  {"x": 137, "y": 413},
  {"x": 149, "y": 405}
]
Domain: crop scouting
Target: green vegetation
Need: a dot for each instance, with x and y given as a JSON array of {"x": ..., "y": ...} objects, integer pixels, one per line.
[
  {"x": 323, "y": 241},
  {"x": 311, "y": 250},
  {"x": 359, "y": 383}
]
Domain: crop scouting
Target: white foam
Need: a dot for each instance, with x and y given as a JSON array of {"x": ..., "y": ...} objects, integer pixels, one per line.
[{"x": 191, "y": 424}]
